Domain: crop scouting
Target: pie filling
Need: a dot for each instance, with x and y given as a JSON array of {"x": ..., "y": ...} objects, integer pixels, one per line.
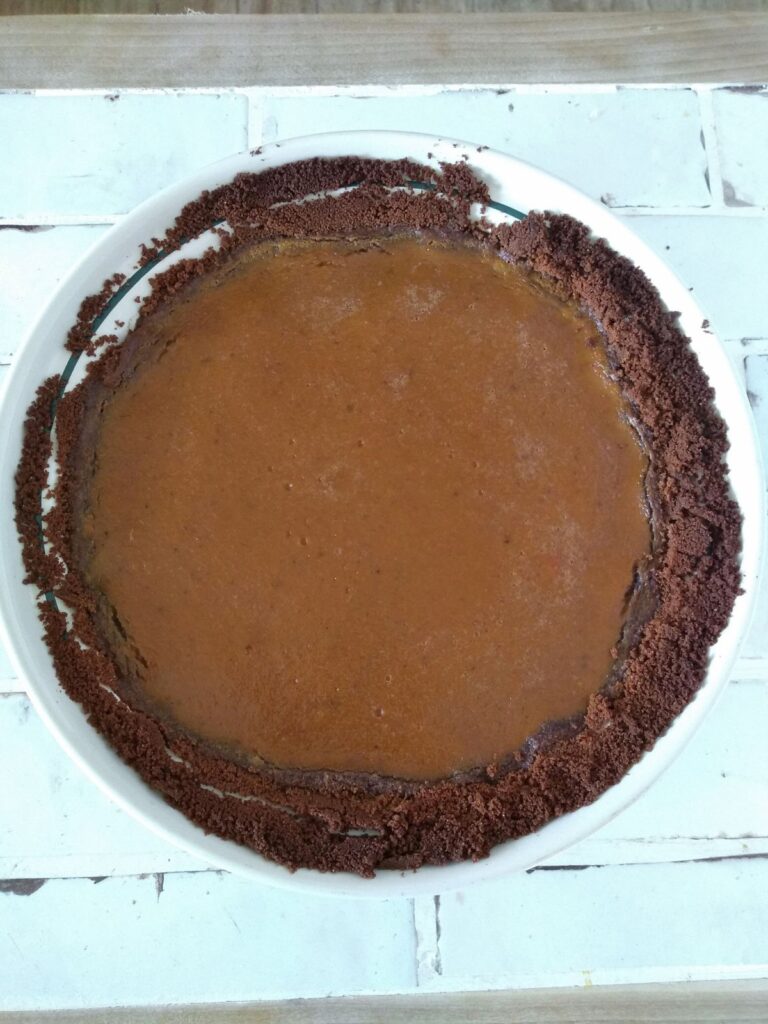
[
  {"x": 367, "y": 506},
  {"x": 385, "y": 536}
]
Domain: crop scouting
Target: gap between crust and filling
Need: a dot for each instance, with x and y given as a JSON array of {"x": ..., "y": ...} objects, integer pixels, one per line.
[{"x": 348, "y": 822}]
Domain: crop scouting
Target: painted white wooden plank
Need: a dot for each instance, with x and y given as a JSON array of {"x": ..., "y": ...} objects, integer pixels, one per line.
[
  {"x": 723, "y": 259},
  {"x": 712, "y": 802},
  {"x": 660, "y": 162},
  {"x": 194, "y": 938},
  {"x": 611, "y": 925},
  {"x": 741, "y": 124},
  {"x": 103, "y": 154},
  {"x": 735, "y": 350},
  {"x": 34, "y": 262}
]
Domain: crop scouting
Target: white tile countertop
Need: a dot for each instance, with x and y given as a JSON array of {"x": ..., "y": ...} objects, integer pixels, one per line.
[{"x": 96, "y": 911}]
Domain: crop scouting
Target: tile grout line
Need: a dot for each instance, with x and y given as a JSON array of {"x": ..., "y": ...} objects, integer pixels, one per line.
[
  {"x": 752, "y": 347},
  {"x": 256, "y": 108},
  {"x": 60, "y": 220},
  {"x": 714, "y": 210},
  {"x": 416, "y": 941},
  {"x": 749, "y": 670},
  {"x": 711, "y": 151},
  {"x": 426, "y": 925},
  {"x": 425, "y": 921},
  {"x": 498, "y": 981},
  {"x": 106, "y": 92},
  {"x": 412, "y": 89}
]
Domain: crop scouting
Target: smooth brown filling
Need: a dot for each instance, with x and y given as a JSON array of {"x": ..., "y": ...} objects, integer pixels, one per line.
[{"x": 369, "y": 506}]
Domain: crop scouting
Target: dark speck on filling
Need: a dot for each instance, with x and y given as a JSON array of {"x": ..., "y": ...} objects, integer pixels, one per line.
[{"x": 414, "y": 606}]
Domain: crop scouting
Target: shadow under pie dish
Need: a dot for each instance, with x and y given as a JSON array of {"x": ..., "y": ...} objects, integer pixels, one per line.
[{"x": 388, "y": 533}]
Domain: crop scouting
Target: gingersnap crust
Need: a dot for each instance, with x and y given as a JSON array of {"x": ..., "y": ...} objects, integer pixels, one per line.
[{"x": 358, "y": 823}]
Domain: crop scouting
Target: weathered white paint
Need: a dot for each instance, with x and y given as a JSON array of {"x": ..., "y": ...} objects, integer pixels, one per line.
[{"x": 205, "y": 936}]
